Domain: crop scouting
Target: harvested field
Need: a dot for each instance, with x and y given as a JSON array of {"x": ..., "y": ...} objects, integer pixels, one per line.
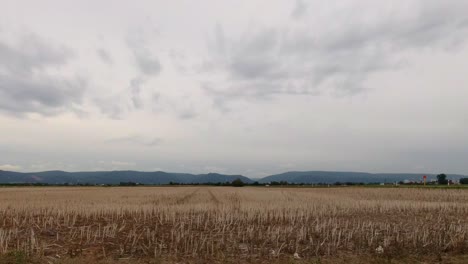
[{"x": 227, "y": 224}]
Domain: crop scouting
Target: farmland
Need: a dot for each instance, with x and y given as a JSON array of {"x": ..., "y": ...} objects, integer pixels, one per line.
[{"x": 227, "y": 224}]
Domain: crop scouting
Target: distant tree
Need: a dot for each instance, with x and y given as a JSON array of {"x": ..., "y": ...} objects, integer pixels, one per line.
[
  {"x": 237, "y": 183},
  {"x": 442, "y": 179},
  {"x": 256, "y": 183},
  {"x": 464, "y": 181},
  {"x": 128, "y": 184}
]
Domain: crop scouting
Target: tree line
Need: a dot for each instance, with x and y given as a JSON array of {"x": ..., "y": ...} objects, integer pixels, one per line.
[{"x": 441, "y": 179}]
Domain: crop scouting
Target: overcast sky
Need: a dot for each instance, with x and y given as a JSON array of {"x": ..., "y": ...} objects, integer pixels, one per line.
[{"x": 240, "y": 87}]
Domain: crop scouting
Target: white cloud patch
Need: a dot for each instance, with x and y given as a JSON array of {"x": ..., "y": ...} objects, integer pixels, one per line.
[{"x": 9, "y": 167}]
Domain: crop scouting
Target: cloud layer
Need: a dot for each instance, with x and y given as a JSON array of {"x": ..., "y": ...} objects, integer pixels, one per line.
[
  {"x": 335, "y": 54},
  {"x": 30, "y": 79},
  {"x": 253, "y": 87}
]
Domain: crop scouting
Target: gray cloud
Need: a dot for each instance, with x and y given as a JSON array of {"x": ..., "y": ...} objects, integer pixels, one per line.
[
  {"x": 111, "y": 106},
  {"x": 117, "y": 105},
  {"x": 299, "y": 58},
  {"x": 43, "y": 95},
  {"x": 135, "y": 89},
  {"x": 26, "y": 86},
  {"x": 146, "y": 61},
  {"x": 105, "y": 56},
  {"x": 179, "y": 61},
  {"x": 181, "y": 107},
  {"x": 188, "y": 113},
  {"x": 299, "y": 9},
  {"x": 29, "y": 54},
  {"x": 136, "y": 140}
]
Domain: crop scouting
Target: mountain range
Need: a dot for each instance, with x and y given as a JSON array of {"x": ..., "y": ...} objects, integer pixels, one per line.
[
  {"x": 160, "y": 177},
  {"x": 356, "y": 177},
  {"x": 114, "y": 177}
]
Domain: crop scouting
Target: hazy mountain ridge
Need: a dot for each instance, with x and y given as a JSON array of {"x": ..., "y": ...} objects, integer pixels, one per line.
[
  {"x": 335, "y": 176},
  {"x": 160, "y": 177},
  {"x": 115, "y": 177}
]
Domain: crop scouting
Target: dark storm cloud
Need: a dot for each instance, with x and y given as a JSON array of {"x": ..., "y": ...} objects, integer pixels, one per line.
[
  {"x": 25, "y": 85},
  {"x": 338, "y": 58}
]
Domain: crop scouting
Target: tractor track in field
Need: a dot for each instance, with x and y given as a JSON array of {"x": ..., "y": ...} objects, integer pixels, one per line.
[
  {"x": 186, "y": 197},
  {"x": 214, "y": 199}
]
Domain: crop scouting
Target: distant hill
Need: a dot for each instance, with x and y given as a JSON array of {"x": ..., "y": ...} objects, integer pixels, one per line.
[
  {"x": 115, "y": 177},
  {"x": 160, "y": 177},
  {"x": 334, "y": 176}
]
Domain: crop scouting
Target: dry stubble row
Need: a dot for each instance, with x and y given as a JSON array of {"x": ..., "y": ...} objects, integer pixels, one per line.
[{"x": 224, "y": 222}]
